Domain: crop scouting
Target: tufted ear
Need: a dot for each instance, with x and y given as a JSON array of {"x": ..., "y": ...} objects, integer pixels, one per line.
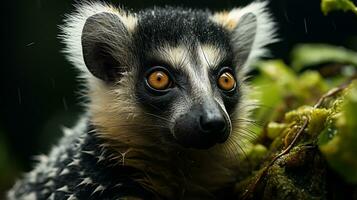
[
  {"x": 104, "y": 39},
  {"x": 251, "y": 28},
  {"x": 97, "y": 37},
  {"x": 243, "y": 37}
]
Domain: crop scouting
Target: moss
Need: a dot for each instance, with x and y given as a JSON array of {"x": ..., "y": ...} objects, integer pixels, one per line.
[
  {"x": 317, "y": 121},
  {"x": 324, "y": 146},
  {"x": 338, "y": 141},
  {"x": 298, "y": 114},
  {"x": 257, "y": 153},
  {"x": 274, "y": 129}
]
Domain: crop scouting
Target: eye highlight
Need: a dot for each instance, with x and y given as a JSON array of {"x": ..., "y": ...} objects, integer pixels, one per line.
[
  {"x": 159, "y": 80},
  {"x": 226, "y": 81}
]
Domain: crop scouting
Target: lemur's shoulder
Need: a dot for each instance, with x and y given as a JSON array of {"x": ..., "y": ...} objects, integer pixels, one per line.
[{"x": 79, "y": 167}]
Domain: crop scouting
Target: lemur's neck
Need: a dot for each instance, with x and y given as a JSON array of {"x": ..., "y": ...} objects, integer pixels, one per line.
[
  {"x": 172, "y": 172},
  {"x": 99, "y": 163}
]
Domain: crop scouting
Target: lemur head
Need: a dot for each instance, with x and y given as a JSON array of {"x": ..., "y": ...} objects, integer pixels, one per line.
[{"x": 167, "y": 75}]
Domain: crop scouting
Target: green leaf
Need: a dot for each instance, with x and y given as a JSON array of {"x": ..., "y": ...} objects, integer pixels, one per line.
[
  {"x": 332, "y": 5},
  {"x": 314, "y": 54}
]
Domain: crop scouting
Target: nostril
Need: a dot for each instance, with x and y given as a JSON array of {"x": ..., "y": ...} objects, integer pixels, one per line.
[{"x": 212, "y": 125}]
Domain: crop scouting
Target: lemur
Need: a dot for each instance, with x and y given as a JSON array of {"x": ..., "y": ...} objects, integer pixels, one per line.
[{"x": 167, "y": 104}]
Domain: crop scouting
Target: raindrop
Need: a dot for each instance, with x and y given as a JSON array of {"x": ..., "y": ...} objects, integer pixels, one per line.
[
  {"x": 64, "y": 103},
  {"x": 19, "y": 95},
  {"x": 286, "y": 16},
  {"x": 30, "y": 44},
  {"x": 305, "y": 24}
]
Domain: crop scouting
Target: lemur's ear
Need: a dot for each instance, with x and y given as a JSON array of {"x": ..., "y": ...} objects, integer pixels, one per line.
[
  {"x": 251, "y": 28},
  {"x": 104, "y": 36},
  {"x": 243, "y": 36},
  {"x": 96, "y": 37}
]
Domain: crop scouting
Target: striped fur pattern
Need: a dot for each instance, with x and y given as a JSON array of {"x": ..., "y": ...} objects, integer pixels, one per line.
[{"x": 124, "y": 147}]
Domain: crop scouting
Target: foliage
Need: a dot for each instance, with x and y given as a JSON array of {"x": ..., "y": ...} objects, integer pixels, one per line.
[
  {"x": 308, "y": 120},
  {"x": 331, "y": 5},
  {"x": 339, "y": 139},
  {"x": 311, "y": 55}
]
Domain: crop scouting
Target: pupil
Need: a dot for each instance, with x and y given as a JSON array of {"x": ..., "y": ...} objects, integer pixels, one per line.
[
  {"x": 226, "y": 80},
  {"x": 158, "y": 78}
]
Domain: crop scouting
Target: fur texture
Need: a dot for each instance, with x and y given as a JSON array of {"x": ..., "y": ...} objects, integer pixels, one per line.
[{"x": 122, "y": 140}]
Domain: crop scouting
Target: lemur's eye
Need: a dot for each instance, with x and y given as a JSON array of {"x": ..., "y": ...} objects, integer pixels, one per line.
[
  {"x": 226, "y": 81},
  {"x": 159, "y": 80}
]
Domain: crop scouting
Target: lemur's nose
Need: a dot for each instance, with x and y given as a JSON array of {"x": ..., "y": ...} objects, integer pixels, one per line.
[
  {"x": 214, "y": 122},
  {"x": 203, "y": 126}
]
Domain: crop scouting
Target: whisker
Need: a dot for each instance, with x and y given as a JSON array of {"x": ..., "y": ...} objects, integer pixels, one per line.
[
  {"x": 149, "y": 114},
  {"x": 239, "y": 147},
  {"x": 247, "y": 135},
  {"x": 249, "y": 122},
  {"x": 159, "y": 117},
  {"x": 141, "y": 126}
]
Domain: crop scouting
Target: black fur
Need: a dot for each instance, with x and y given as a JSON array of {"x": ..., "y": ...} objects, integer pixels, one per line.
[
  {"x": 81, "y": 158},
  {"x": 173, "y": 26}
]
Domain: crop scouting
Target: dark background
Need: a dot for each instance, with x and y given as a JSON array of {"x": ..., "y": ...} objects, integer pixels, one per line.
[{"x": 38, "y": 88}]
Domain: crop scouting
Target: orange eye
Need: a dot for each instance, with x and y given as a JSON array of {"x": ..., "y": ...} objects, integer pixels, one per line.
[
  {"x": 159, "y": 80},
  {"x": 226, "y": 81}
]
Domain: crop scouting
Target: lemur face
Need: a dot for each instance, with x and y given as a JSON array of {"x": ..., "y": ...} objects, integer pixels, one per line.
[
  {"x": 183, "y": 67},
  {"x": 186, "y": 74}
]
